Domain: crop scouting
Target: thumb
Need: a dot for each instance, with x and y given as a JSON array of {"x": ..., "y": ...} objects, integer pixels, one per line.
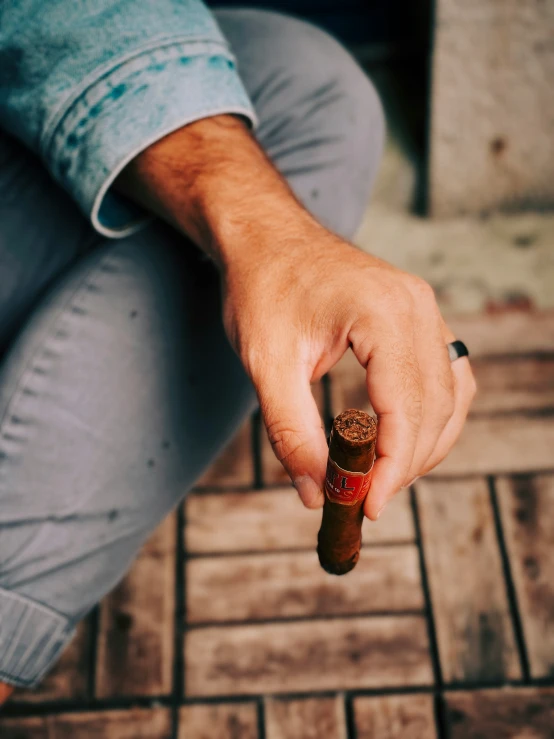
[{"x": 295, "y": 431}]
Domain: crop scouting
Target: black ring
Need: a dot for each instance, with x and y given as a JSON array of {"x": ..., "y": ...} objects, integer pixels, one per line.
[{"x": 457, "y": 349}]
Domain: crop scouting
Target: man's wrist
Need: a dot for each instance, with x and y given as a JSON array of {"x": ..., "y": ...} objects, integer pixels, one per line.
[{"x": 213, "y": 182}]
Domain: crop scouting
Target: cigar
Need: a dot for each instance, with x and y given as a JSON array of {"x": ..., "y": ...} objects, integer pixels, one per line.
[{"x": 351, "y": 456}]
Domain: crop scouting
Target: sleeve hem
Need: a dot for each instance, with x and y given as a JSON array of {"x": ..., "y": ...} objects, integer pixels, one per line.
[
  {"x": 32, "y": 637},
  {"x": 195, "y": 46},
  {"x": 144, "y": 220},
  {"x": 138, "y": 103}
]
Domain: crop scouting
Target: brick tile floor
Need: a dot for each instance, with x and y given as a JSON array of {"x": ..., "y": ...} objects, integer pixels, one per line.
[{"x": 226, "y": 627}]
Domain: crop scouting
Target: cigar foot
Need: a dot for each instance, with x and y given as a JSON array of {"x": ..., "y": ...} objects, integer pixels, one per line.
[{"x": 338, "y": 568}]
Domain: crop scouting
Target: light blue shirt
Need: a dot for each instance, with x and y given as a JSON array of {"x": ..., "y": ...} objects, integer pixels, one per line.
[{"x": 88, "y": 84}]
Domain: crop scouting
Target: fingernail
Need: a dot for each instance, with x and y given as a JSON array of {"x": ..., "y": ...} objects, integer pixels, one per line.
[
  {"x": 308, "y": 490},
  {"x": 380, "y": 511},
  {"x": 409, "y": 485}
]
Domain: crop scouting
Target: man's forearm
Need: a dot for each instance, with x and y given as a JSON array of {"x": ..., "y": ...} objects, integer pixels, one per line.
[
  {"x": 5, "y": 692},
  {"x": 212, "y": 181}
]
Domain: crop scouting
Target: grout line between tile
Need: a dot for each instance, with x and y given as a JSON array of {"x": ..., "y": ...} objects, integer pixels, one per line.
[
  {"x": 24, "y": 710},
  {"x": 351, "y": 732},
  {"x": 430, "y": 619},
  {"x": 260, "y": 718},
  {"x": 545, "y": 411},
  {"x": 509, "y": 583},
  {"x": 313, "y": 618},
  {"x": 94, "y": 626},
  {"x": 435, "y": 476},
  {"x": 235, "y": 553},
  {"x": 441, "y": 720},
  {"x": 506, "y": 357},
  {"x": 179, "y": 622}
]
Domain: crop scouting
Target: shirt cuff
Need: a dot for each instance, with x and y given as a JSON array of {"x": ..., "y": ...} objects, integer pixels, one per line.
[{"x": 130, "y": 108}]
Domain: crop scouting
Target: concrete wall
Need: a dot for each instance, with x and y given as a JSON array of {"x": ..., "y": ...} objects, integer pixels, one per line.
[{"x": 492, "y": 109}]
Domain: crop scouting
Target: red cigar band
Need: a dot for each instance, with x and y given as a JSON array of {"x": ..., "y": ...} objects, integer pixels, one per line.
[{"x": 347, "y": 488}]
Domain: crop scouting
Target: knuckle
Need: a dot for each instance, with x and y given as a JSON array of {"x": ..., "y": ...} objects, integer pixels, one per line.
[
  {"x": 397, "y": 300},
  {"x": 285, "y": 440},
  {"x": 421, "y": 290},
  {"x": 256, "y": 357}
]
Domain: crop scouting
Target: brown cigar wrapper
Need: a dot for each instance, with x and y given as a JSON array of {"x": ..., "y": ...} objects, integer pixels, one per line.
[{"x": 340, "y": 536}]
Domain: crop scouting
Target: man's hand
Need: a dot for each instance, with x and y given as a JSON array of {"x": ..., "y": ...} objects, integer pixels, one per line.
[
  {"x": 297, "y": 297},
  {"x": 293, "y": 312}
]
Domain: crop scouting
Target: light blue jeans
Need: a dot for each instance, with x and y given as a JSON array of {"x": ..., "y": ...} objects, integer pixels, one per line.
[{"x": 117, "y": 384}]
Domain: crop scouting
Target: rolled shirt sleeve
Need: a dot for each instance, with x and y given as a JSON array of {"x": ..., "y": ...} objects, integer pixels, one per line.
[{"x": 88, "y": 85}]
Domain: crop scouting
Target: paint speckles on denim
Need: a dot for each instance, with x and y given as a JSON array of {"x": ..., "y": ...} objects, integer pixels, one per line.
[{"x": 88, "y": 85}]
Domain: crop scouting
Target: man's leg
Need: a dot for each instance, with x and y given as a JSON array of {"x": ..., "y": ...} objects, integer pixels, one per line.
[
  {"x": 122, "y": 387},
  {"x": 114, "y": 398}
]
